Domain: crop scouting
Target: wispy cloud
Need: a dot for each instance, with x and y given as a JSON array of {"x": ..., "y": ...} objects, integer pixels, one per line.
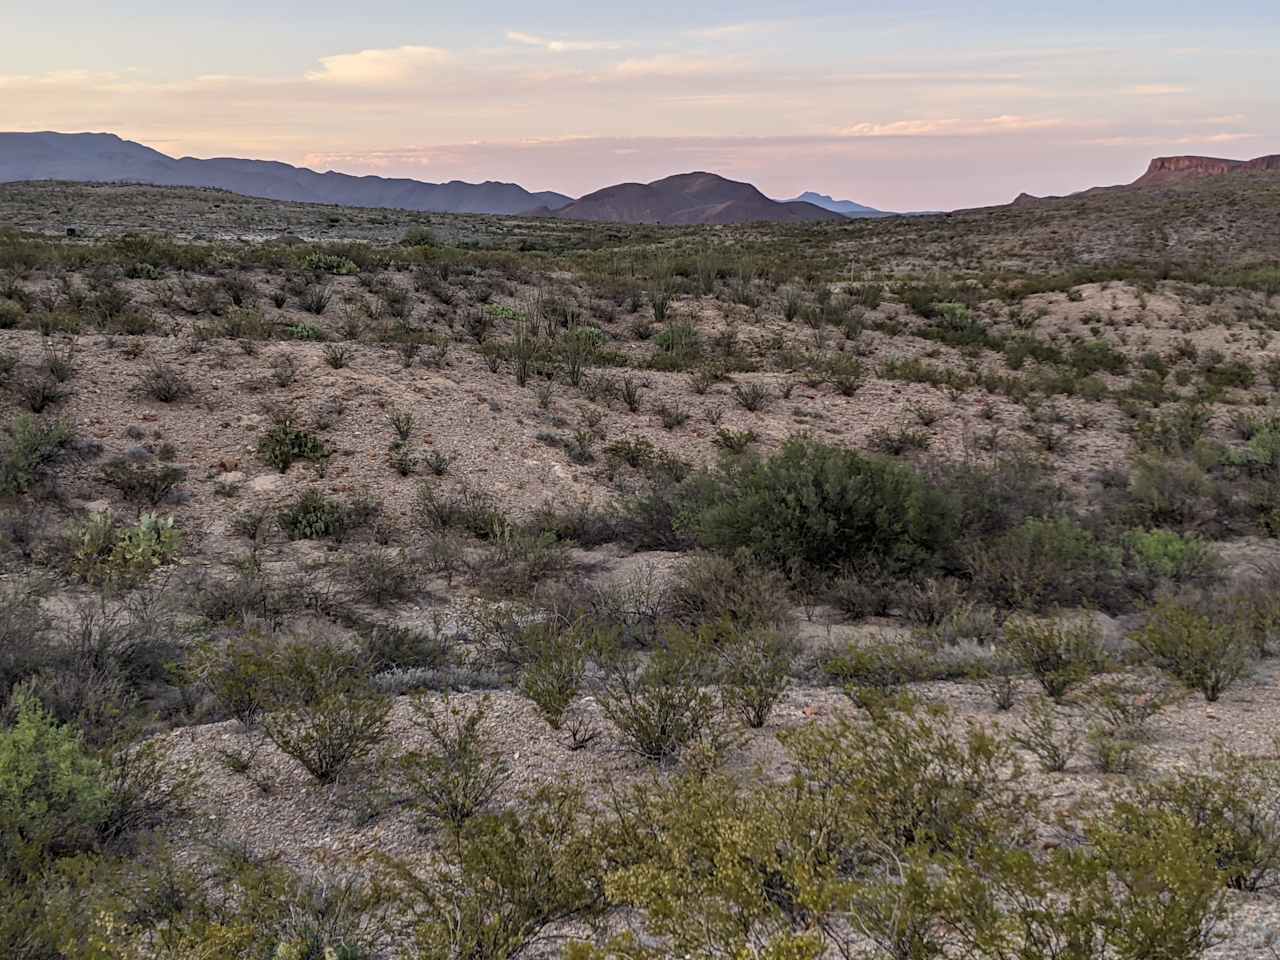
[
  {"x": 949, "y": 127},
  {"x": 374, "y": 68},
  {"x": 561, "y": 46}
]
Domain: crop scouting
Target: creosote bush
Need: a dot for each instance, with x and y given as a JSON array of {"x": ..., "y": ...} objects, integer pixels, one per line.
[
  {"x": 322, "y": 711},
  {"x": 1203, "y": 654},
  {"x": 1060, "y": 654},
  {"x": 460, "y": 774}
]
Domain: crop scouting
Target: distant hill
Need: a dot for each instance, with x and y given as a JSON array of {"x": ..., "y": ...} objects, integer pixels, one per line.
[
  {"x": 690, "y": 198},
  {"x": 1175, "y": 169},
  {"x": 106, "y": 158},
  {"x": 846, "y": 207}
]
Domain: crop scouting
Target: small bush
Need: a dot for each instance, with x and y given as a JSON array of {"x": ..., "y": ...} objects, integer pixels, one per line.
[
  {"x": 313, "y": 516},
  {"x": 323, "y": 711},
  {"x": 659, "y": 705},
  {"x": 754, "y": 672},
  {"x": 1233, "y": 803},
  {"x": 1044, "y": 563},
  {"x": 32, "y": 446},
  {"x": 285, "y": 443},
  {"x": 1060, "y": 654},
  {"x": 143, "y": 483},
  {"x": 1043, "y": 735},
  {"x": 459, "y": 775},
  {"x": 1203, "y": 654},
  {"x": 165, "y": 383}
]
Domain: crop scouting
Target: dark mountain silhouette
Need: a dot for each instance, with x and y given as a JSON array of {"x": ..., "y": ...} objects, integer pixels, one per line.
[
  {"x": 846, "y": 207},
  {"x": 104, "y": 157},
  {"x": 689, "y": 198}
]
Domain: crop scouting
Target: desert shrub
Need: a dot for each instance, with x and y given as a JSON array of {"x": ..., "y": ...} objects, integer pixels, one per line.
[
  {"x": 863, "y": 590},
  {"x": 237, "y": 675},
  {"x": 1233, "y": 803},
  {"x": 659, "y": 704},
  {"x": 514, "y": 876},
  {"x": 1165, "y": 555},
  {"x": 908, "y": 777},
  {"x": 1045, "y": 563},
  {"x": 822, "y": 506},
  {"x": 460, "y": 774},
  {"x": 286, "y": 443},
  {"x": 313, "y": 516},
  {"x": 145, "y": 484},
  {"x": 754, "y": 671},
  {"x": 712, "y": 871},
  {"x": 1142, "y": 886},
  {"x": 873, "y": 670},
  {"x": 1060, "y": 654},
  {"x": 515, "y": 560},
  {"x": 52, "y": 797},
  {"x": 379, "y": 576},
  {"x": 468, "y": 508},
  {"x": 1043, "y": 733},
  {"x": 1202, "y": 653},
  {"x": 33, "y": 445},
  {"x": 706, "y": 588},
  {"x": 322, "y": 711},
  {"x": 106, "y": 552},
  {"x": 165, "y": 383},
  {"x": 389, "y": 647},
  {"x": 554, "y": 673},
  {"x": 1170, "y": 491}
]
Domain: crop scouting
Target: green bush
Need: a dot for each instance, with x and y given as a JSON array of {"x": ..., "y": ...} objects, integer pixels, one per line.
[
  {"x": 285, "y": 443},
  {"x": 755, "y": 671},
  {"x": 1059, "y": 653},
  {"x": 1165, "y": 555},
  {"x": 1044, "y": 563},
  {"x": 514, "y": 877},
  {"x": 52, "y": 795},
  {"x": 460, "y": 774},
  {"x": 659, "y": 705},
  {"x": 313, "y": 516},
  {"x": 323, "y": 712},
  {"x": 823, "y": 506},
  {"x": 1233, "y": 803},
  {"x": 1203, "y": 654},
  {"x": 32, "y": 446}
]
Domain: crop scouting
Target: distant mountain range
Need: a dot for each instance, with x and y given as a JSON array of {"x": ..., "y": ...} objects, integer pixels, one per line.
[
  {"x": 104, "y": 157},
  {"x": 689, "y": 198},
  {"x": 846, "y": 207},
  {"x": 692, "y": 198}
]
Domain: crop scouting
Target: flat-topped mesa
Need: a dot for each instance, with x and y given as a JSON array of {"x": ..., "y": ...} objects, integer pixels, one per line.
[{"x": 1174, "y": 169}]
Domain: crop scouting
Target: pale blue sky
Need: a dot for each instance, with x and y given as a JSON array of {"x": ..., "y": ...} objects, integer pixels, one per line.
[{"x": 936, "y": 104}]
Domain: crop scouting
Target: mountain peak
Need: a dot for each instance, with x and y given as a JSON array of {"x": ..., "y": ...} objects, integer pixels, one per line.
[
  {"x": 847, "y": 208},
  {"x": 690, "y": 198}
]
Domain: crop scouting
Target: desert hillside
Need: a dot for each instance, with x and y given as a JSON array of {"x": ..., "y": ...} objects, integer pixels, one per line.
[{"x": 419, "y": 585}]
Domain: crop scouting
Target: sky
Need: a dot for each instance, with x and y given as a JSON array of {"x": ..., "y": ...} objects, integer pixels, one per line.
[{"x": 928, "y": 105}]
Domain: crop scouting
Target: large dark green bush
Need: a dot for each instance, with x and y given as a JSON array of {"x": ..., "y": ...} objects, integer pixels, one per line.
[{"x": 822, "y": 506}]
